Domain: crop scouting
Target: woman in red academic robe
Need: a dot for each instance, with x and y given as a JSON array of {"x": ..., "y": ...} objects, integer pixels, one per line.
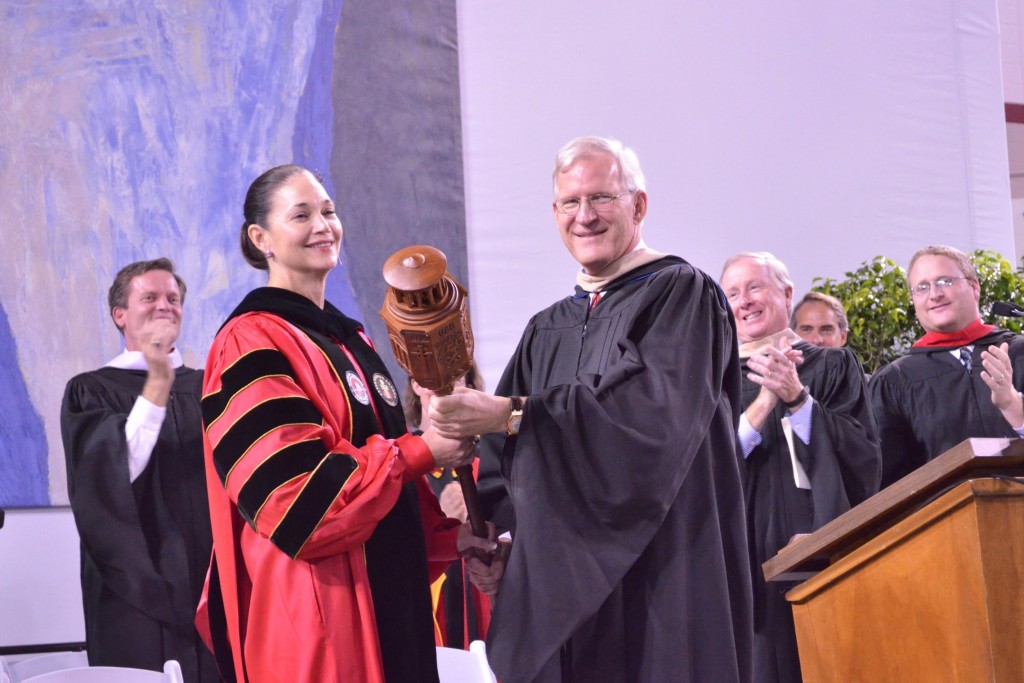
[{"x": 326, "y": 537}]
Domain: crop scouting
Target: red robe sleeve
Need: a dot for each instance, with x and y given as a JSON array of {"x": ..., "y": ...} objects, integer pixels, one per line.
[
  {"x": 441, "y": 533},
  {"x": 278, "y": 422}
]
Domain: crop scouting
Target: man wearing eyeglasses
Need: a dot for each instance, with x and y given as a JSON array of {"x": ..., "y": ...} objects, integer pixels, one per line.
[
  {"x": 958, "y": 381},
  {"x": 615, "y": 425}
]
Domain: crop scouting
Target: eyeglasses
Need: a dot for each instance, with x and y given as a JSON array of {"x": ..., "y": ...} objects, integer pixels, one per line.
[
  {"x": 571, "y": 206},
  {"x": 923, "y": 288}
]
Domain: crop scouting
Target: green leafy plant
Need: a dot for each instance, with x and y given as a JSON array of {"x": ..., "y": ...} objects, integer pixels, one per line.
[
  {"x": 999, "y": 282},
  {"x": 877, "y": 302},
  {"x": 880, "y": 310}
]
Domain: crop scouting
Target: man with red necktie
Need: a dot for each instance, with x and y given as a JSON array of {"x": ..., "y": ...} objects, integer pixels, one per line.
[
  {"x": 612, "y": 438},
  {"x": 958, "y": 381}
]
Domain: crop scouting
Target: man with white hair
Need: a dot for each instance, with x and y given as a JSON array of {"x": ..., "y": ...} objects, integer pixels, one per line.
[
  {"x": 615, "y": 424},
  {"x": 807, "y": 437},
  {"x": 961, "y": 380}
]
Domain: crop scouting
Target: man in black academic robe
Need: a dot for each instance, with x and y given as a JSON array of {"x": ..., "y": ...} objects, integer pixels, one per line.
[
  {"x": 807, "y": 437},
  {"x": 132, "y": 433},
  {"x": 961, "y": 380},
  {"x": 628, "y": 558}
]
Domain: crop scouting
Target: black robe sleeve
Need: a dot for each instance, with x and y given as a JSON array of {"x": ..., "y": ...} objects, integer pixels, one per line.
[
  {"x": 93, "y": 421},
  {"x": 902, "y": 453},
  {"x": 145, "y": 545},
  {"x": 843, "y": 459},
  {"x": 842, "y": 462}
]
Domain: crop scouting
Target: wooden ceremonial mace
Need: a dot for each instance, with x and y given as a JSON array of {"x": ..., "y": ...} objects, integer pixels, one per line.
[{"x": 427, "y": 315}]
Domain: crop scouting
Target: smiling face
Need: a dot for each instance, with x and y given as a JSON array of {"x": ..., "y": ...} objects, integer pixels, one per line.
[
  {"x": 151, "y": 296},
  {"x": 302, "y": 232},
  {"x": 817, "y": 324},
  {"x": 949, "y": 309},
  {"x": 595, "y": 238},
  {"x": 760, "y": 307}
]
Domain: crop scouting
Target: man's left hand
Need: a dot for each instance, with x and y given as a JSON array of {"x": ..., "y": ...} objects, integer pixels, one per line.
[
  {"x": 998, "y": 375},
  {"x": 471, "y": 545},
  {"x": 487, "y": 577}
]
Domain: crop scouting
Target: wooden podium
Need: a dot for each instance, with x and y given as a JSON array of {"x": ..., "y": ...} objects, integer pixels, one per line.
[{"x": 922, "y": 582}]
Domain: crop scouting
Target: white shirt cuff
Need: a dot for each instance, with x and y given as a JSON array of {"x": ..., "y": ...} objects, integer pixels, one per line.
[
  {"x": 749, "y": 437},
  {"x": 141, "y": 431},
  {"x": 801, "y": 420}
]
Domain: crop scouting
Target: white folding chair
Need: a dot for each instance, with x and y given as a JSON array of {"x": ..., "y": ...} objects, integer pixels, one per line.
[
  {"x": 28, "y": 667},
  {"x": 464, "y": 666},
  {"x": 111, "y": 674}
]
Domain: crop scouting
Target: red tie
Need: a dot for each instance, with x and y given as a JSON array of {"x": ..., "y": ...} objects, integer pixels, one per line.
[{"x": 594, "y": 299}]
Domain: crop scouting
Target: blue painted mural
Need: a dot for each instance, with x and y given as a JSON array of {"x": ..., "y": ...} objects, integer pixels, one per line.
[
  {"x": 23, "y": 476},
  {"x": 131, "y": 130}
]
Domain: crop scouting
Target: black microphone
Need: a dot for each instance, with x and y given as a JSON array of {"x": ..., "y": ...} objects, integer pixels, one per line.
[{"x": 1007, "y": 309}]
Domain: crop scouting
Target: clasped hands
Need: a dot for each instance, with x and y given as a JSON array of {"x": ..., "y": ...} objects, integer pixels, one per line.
[
  {"x": 484, "y": 557},
  {"x": 155, "y": 341},
  {"x": 775, "y": 371},
  {"x": 457, "y": 420},
  {"x": 467, "y": 412}
]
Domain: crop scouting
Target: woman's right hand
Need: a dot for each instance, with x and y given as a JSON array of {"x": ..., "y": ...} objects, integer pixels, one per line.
[{"x": 449, "y": 452}]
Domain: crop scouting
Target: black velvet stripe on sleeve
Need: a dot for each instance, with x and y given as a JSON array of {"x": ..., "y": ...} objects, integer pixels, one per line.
[
  {"x": 312, "y": 504},
  {"x": 261, "y": 419},
  {"x": 280, "y": 468},
  {"x": 243, "y": 372}
]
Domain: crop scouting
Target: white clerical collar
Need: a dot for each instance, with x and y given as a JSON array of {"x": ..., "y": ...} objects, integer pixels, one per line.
[
  {"x": 640, "y": 256},
  {"x": 748, "y": 349},
  {"x": 135, "y": 360}
]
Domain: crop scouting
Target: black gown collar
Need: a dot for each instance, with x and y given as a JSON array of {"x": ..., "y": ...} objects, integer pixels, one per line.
[{"x": 297, "y": 310}]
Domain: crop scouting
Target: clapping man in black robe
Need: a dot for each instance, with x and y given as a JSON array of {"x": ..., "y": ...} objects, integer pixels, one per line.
[
  {"x": 961, "y": 380},
  {"x": 132, "y": 434},
  {"x": 807, "y": 437},
  {"x": 615, "y": 422}
]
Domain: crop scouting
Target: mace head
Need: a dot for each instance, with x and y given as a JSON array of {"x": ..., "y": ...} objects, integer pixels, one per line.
[
  {"x": 427, "y": 315},
  {"x": 415, "y": 268}
]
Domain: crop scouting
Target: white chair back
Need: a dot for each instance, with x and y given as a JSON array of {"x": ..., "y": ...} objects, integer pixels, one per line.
[
  {"x": 464, "y": 666},
  {"x": 17, "y": 671},
  {"x": 111, "y": 674}
]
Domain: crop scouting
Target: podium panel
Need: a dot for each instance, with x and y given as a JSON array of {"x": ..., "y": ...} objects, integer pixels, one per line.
[{"x": 937, "y": 596}]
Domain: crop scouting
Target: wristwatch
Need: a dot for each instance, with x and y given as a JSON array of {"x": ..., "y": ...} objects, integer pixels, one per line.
[
  {"x": 800, "y": 398},
  {"x": 516, "y": 418}
]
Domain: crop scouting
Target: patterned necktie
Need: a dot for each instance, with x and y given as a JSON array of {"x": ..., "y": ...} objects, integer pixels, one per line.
[
  {"x": 594, "y": 300},
  {"x": 965, "y": 358}
]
